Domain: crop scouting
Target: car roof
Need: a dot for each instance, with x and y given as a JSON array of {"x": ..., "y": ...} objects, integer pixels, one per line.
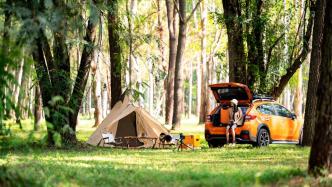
[{"x": 264, "y": 101}]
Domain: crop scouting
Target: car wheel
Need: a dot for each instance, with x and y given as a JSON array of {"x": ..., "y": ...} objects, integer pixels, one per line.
[
  {"x": 263, "y": 138},
  {"x": 301, "y": 138}
]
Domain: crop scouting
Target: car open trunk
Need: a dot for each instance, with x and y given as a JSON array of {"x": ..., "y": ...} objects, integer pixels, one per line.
[{"x": 225, "y": 92}]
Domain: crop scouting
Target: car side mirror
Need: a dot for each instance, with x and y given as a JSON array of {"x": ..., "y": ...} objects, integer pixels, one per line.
[{"x": 293, "y": 116}]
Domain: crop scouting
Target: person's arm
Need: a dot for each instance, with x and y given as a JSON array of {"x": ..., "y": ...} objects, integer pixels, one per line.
[{"x": 239, "y": 116}]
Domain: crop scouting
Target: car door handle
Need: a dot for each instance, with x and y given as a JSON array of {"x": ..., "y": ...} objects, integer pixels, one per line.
[{"x": 266, "y": 119}]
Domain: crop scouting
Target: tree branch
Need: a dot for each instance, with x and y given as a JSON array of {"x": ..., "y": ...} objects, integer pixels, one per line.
[
  {"x": 193, "y": 11},
  {"x": 177, "y": 9},
  {"x": 277, "y": 90},
  {"x": 213, "y": 51},
  {"x": 272, "y": 47}
]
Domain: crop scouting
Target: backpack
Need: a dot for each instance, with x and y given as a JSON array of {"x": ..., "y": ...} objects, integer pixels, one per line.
[{"x": 224, "y": 115}]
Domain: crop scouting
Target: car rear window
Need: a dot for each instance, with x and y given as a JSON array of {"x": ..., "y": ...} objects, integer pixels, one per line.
[{"x": 232, "y": 93}]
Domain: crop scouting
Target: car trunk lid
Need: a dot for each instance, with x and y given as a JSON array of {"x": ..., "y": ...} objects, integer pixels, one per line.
[{"x": 225, "y": 92}]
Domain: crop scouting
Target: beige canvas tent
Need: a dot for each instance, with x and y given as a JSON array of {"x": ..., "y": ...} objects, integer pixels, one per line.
[{"x": 128, "y": 120}]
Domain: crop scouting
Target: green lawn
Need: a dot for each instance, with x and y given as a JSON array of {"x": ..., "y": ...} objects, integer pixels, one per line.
[{"x": 25, "y": 161}]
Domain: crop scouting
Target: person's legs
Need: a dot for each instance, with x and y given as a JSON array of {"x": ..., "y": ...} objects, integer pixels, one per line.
[
  {"x": 227, "y": 134},
  {"x": 233, "y": 134}
]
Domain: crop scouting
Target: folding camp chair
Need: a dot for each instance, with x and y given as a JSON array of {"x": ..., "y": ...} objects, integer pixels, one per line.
[{"x": 108, "y": 139}]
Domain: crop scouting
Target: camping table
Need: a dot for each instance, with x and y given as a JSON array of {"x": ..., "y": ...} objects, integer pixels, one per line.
[{"x": 126, "y": 140}]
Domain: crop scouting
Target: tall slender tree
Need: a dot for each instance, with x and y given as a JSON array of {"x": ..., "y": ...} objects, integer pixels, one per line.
[
  {"x": 204, "y": 65},
  {"x": 320, "y": 159},
  {"x": 96, "y": 93},
  {"x": 115, "y": 50},
  {"x": 237, "y": 61},
  {"x": 178, "y": 77},
  {"x": 7, "y": 24},
  {"x": 311, "y": 103},
  {"x": 171, "y": 22},
  {"x": 38, "y": 110}
]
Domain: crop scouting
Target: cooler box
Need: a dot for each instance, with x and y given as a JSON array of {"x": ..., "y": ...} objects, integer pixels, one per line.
[{"x": 192, "y": 140}]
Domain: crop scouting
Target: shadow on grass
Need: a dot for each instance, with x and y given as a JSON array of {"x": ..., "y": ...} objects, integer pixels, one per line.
[
  {"x": 98, "y": 173},
  {"x": 28, "y": 158}
]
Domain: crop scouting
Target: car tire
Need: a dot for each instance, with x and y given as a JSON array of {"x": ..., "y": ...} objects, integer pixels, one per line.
[
  {"x": 301, "y": 139},
  {"x": 263, "y": 138}
]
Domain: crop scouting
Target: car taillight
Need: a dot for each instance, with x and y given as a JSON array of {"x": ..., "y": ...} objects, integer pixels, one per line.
[
  {"x": 245, "y": 136},
  {"x": 208, "y": 118},
  {"x": 250, "y": 117}
]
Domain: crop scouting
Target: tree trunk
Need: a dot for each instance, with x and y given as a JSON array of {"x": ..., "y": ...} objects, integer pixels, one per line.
[
  {"x": 104, "y": 101},
  {"x": 178, "y": 78},
  {"x": 320, "y": 161},
  {"x": 20, "y": 100},
  {"x": 198, "y": 73},
  {"x": 171, "y": 21},
  {"x": 96, "y": 94},
  {"x": 204, "y": 66},
  {"x": 7, "y": 24},
  {"x": 237, "y": 68},
  {"x": 82, "y": 77},
  {"x": 151, "y": 86},
  {"x": 190, "y": 89},
  {"x": 161, "y": 34},
  {"x": 256, "y": 67},
  {"x": 38, "y": 111},
  {"x": 88, "y": 99},
  {"x": 109, "y": 91},
  {"x": 311, "y": 103},
  {"x": 53, "y": 72},
  {"x": 129, "y": 10},
  {"x": 17, "y": 88},
  {"x": 115, "y": 50},
  {"x": 298, "y": 97}
]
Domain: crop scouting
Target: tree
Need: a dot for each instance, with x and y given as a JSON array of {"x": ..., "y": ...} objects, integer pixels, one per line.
[
  {"x": 53, "y": 71},
  {"x": 311, "y": 103},
  {"x": 178, "y": 77},
  {"x": 96, "y": 93},
  {"x": 237, "y": 66},
  {"x": 38, "y": 111},
  {"x": 297, "y": 61},
  {"x": 203, "y": 66},
  {"x": 321, "y": 150},
  {"x": 253, "y": 67},
  {"x": 171, "y": 22},
  {"x": 6, "y": 39},
  {"x": 115, "y": 50},
  {"x": 130, "y": 12}
]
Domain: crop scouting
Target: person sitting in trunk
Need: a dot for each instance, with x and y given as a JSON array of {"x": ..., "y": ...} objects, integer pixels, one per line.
[{"x": 235, "y": 116}]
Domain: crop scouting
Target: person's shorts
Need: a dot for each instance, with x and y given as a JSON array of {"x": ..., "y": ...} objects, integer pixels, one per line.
[{"x": 233, "y": 126}]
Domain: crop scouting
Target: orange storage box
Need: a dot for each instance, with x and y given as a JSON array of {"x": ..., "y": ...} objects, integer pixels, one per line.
[{"x": 192, "y": 140}]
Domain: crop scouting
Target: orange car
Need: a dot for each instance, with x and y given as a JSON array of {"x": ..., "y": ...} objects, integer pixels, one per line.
[{"x": 264, "y": 120}]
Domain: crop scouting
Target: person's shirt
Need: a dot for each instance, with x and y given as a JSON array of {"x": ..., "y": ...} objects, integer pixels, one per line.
[{"x": 237, "y": 116}]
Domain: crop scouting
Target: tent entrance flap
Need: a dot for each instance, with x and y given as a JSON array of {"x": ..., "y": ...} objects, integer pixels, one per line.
[{"x": 127, "y": 126}]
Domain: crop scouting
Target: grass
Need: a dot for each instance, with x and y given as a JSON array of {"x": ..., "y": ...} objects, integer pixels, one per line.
[{"x": 26, "y": 161}]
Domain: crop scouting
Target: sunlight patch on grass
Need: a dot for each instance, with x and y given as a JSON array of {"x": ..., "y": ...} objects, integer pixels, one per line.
[{"x": 241, "y": 165}]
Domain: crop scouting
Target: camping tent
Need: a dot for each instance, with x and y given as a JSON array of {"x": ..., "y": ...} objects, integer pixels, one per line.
[{"x": 126, "y": 119}]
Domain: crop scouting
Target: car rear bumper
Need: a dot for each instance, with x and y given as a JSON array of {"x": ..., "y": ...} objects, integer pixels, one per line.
[{"x": 243, "y": 137}]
